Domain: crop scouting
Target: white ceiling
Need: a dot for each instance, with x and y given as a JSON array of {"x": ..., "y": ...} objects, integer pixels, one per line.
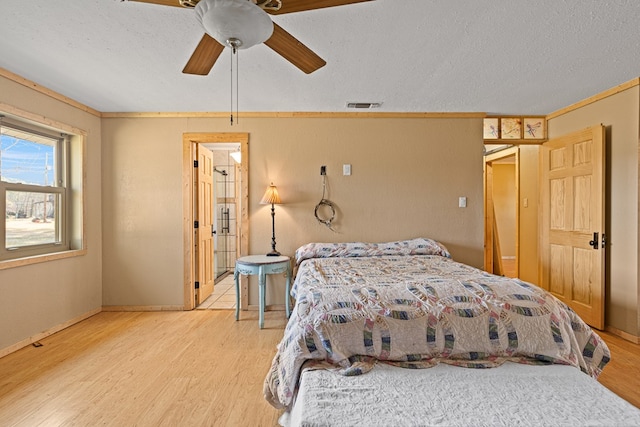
[{"x": 495, "y": 56}]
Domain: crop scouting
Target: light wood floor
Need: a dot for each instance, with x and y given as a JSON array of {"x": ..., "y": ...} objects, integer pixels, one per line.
[{"x": 198, "y": 368}]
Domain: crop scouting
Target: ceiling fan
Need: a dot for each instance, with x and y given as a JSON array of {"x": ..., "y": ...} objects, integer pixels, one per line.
[{"x": 240, "y": 24}]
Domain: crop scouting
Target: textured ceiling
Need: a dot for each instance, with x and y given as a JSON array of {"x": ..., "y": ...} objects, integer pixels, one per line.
[{"x": 495, "y": 56}]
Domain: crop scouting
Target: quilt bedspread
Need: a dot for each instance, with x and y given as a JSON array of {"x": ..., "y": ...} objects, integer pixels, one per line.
[{"x": 417, "y": 311}]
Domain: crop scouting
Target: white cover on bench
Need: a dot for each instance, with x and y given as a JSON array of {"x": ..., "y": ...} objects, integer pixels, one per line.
[{"x": 510, "y": 395}]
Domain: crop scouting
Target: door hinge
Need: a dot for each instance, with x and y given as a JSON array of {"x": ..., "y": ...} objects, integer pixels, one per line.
[
  {"x": 197, "y": 285},
  {"x": 195, "y": 163},
  {"x": 196, "y": 224}
]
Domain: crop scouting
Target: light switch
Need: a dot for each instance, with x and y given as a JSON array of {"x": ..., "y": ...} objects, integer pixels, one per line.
[
  {"x": 346, "y": 169},
  {"x": 462, "y": 202}
]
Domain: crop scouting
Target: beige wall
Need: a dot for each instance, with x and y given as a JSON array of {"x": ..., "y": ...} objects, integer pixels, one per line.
[
  {"x": 36, "y": 298},
  {"x": 142, "y": 221},
  {"x": 407, "y": 175},
  {"x": 620, "y": 114}
]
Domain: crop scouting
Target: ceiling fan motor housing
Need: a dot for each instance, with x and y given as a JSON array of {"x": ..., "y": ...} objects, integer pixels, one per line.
[{"x": 234, "y": 20}]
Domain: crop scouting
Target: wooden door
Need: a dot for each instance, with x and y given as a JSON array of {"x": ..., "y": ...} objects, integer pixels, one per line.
[
  {"x": 204, "y": 232},
  {"x": 572, "y": 262}
]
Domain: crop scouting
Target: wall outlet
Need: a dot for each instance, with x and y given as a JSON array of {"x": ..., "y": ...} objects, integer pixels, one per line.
[
  {"x": 462, "y": 202},
  {"x": 323, "y": 170},
  {"x": 346, "y": 169}
]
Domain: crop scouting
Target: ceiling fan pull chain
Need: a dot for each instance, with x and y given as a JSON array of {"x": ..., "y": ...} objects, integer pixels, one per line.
[
  {"x": 233, "y": 50},
  {"x": 237, "y": 86}
]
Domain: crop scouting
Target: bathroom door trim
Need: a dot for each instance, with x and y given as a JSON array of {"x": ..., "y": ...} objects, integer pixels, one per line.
[{"x": 189, "y": 143}]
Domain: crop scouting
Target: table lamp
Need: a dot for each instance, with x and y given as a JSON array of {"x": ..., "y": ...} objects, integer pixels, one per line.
[{"x": 271, "y": 197}]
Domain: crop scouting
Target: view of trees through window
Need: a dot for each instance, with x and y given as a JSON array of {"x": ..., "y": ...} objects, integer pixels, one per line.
[{"x": 27, "y": 172}]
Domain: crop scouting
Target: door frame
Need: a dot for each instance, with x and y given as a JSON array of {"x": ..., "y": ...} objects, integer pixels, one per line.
[
  {"x": 189, "y": 142},
  {"x": 489, "y": 217}
]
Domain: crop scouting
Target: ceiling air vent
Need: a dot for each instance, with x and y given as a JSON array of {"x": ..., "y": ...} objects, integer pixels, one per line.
[{"x": 364, "y": 104}]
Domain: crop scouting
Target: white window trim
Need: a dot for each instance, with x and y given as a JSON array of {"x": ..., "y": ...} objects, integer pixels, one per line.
[{"x": 75, "y": 241}]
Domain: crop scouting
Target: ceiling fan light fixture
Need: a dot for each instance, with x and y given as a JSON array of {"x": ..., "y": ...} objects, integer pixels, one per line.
[{"x": 238, "y": 20}]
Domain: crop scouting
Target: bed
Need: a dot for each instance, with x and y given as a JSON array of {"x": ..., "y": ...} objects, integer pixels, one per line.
[{"x": 382, "y": 334}]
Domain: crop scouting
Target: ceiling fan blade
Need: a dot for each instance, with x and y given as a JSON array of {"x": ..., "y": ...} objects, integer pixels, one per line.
[
  {"x": 161, "y": 2},
  {"x": 290, "y": 6},
  {"x": 203, "y": 58},
  {"x": 294, "y": 51}
]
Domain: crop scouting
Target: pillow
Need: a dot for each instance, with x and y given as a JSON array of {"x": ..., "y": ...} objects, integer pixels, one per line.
[{"x": 418, "y": 246}]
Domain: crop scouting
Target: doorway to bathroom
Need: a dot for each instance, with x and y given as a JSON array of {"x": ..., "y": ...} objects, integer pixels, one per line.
[
  {"x": 225, "y": 207},
  {"x": 215, "y": 173},
  {"x": 225, "y": 160}
]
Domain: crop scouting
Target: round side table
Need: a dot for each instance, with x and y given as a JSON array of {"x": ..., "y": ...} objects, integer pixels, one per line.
[{"x": 261, "y": 265}]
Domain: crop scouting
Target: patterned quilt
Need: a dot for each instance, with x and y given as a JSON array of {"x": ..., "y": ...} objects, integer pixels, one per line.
[{"x": 409, "y": 304}]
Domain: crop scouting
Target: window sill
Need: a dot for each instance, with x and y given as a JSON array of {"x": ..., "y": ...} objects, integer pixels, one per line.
[{"x": 36, "y": 259}]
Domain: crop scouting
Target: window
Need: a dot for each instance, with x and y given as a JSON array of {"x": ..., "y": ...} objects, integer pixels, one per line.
[{"x": 34, "y": 190}]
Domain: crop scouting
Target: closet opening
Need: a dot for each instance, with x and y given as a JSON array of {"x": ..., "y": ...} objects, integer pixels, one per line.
[{"x": 502, "y": 233}]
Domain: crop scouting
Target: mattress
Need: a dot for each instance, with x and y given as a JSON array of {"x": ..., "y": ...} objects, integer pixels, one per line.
[{"x": 512, "y": 394}]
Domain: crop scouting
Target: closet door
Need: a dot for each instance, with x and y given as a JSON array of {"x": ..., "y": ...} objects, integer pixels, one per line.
[{"x": 572, "y": 264}]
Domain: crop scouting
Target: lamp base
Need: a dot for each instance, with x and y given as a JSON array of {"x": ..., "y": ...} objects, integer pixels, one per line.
[{"x": 273, "y": 253}]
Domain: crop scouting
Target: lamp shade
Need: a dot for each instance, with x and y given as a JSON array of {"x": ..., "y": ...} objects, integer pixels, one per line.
[
  {"x": 271, "y": 196},
  {"x": 241, "y": 20}
]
